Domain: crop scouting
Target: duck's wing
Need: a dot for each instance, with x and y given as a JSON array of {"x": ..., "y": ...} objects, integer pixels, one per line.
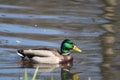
[{"x": 41, "y": 52}]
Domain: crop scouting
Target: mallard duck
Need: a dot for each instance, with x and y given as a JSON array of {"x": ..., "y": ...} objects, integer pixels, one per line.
[{"x": 50, "y": 56}]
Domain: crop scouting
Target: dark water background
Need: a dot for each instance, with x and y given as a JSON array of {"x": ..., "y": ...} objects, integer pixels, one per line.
[{"x": 94, "y": 25}]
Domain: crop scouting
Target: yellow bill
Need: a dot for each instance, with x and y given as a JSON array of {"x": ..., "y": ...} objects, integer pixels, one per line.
[
  {"x": 75, "y": 48},
  {"x": 75, "y": 76}
]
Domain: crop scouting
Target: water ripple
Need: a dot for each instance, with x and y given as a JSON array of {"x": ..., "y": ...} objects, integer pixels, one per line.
[
  {"x": 28, "y": 42},
  {"x": 15, "y": 28},
  {"x": 77, "y": 19},
  {"x": 14, "y": 7}
]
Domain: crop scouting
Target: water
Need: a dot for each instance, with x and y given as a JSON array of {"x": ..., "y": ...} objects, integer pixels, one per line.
[{"x": 92, "y": 24}]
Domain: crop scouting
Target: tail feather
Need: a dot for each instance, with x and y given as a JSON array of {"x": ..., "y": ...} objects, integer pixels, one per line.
[{"x": 21, "y": 53}]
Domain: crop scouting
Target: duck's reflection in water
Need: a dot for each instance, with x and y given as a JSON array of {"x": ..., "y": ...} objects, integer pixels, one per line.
[
  {"x": 66, "y": 74},
  {"x": 65, "y": 69},
  {"x": 42, "y": 67}
]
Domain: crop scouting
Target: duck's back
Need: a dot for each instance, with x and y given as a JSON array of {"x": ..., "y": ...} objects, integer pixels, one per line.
[{"x": 41, "y": 52}]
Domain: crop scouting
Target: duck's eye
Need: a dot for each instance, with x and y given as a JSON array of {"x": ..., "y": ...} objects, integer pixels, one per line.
[{"x": 72, "y": 43}]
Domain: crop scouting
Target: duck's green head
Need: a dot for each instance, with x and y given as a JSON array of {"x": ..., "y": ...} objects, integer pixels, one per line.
[{"x": 68, "y": 45}]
